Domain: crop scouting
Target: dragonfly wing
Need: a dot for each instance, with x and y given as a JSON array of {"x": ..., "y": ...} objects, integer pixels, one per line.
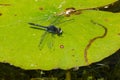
[
  {"x": 46, "y": 41},
  {"x": 42, "y": 40},
  {"x": 51, "y": 41},
  {"x": 56, "y": 20}
]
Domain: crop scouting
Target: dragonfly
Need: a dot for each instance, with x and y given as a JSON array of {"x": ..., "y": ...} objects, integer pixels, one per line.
[{"x": 50, "y": 29}]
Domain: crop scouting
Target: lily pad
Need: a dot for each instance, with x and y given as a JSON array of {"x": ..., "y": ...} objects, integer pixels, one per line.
[{"x": 19, "y": 43}]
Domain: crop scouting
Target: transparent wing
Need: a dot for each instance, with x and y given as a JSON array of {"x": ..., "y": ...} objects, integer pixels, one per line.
[
  {"x": 60, "y": 20},
  {"x": 42, "y": 40},
  {"x": 57, "y": 20},
  {"x": 46, "y": 41}
]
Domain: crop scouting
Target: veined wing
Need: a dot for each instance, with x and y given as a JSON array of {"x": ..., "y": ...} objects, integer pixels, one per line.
[{"x": 46, "y": 40}]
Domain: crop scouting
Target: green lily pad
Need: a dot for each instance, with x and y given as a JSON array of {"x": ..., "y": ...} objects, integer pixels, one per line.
[{"x": 19, "y": 43}]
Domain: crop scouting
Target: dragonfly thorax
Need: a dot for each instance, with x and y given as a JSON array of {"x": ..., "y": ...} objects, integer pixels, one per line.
[{"x": 54, "y": 30}]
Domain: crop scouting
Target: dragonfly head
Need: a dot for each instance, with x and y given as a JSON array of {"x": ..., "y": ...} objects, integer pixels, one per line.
[{"x": 59, "y": 31}]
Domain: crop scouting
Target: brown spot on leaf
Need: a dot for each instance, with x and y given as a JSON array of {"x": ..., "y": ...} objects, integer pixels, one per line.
[
  {"x": 0, "y": 14},
  {"x": 15, "y": 14},
  {"x": 61, "y": 46},
  {"x": 67, "y": 12},
  {"x": 73, "y": 49},
  {"x": 41, "y": 8},
  {"x": 5, "y": 5},
  {"x": 70, "y": 11},
  {"x": 106, "y": 20},
  {"x": 119, "y": 34},
  {"x": 73, "y": 11},
  {"x": 77, "y": 60},
  {"x": 73, "y": 55}
]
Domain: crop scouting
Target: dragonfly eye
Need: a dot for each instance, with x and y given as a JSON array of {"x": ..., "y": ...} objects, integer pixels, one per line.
[{"x": 59, "y": 31}]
